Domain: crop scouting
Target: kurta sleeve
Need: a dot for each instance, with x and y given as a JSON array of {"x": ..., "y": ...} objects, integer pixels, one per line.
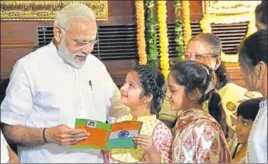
[
  {"x": 161, "y": 135},
  {"x": 18, "y": 102}
]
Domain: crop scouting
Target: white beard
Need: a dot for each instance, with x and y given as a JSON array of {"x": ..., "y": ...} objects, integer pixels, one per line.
[{"x": 65, "y": 54}]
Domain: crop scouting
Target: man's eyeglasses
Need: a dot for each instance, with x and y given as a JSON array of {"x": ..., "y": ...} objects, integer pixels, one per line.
[
  {"x": 193, "y": 55},
  {"x": 81, "y": 43}
]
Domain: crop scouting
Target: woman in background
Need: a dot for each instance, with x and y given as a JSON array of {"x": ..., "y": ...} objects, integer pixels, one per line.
[
  {"x": 246, "y": 114},
  {"x": 143, "y": 92},
  {"x": 253, "y": 60}
]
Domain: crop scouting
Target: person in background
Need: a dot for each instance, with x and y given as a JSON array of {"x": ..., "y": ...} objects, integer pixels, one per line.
[
  {"x": 143, "y": 92},
  {"x": 261, "y": 15},
  {"x": 246, "y": 114},
  {"x": 253, "y": 60},
  {"x": 52, "y": 86},
  {"x": 7, "y": 154}
]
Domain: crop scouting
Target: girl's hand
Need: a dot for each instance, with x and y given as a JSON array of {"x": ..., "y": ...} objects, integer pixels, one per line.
[
  {"x": 146, "y": 142},
  {"x": 166, "y": 146}
]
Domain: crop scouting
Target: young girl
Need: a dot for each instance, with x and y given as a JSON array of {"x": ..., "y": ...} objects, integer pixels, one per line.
[
  {"x": 246, "y": 114},
  {"x": 143, "y": 92},
  {"x": 200, "y": 136}
]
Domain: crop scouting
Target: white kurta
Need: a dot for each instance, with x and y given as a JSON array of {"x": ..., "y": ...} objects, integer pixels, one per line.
[
  {"x": 44, "y": 91},
  {"x": 4, "y": 150},
  {"x": 257, "y": 141}
]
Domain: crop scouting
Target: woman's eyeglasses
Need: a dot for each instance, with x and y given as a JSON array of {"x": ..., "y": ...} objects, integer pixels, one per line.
[{"x": 193, "y": 55}]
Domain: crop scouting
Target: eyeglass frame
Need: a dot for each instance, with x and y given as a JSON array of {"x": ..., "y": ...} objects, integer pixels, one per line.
[
  {"x": 202, "y": 56},
  {"x": 79, "y": 43}
]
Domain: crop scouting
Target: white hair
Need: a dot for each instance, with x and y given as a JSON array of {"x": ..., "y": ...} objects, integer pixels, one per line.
[{"x": 70, "y": 11}]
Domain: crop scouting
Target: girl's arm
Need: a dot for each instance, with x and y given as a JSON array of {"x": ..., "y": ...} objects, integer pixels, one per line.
[{"x": 162, "y": 135}]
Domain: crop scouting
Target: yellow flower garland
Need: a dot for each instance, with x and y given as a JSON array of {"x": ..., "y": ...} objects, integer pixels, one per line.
[
  {"x": 186, "y": 20},
  {"x": 163, "y": 37},
  {"x": 140, "y": 32},
  {"x": 208, "y": 19}
]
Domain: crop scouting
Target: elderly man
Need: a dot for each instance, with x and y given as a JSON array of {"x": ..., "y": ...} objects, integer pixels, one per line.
[{"x": 52, "y": 86}]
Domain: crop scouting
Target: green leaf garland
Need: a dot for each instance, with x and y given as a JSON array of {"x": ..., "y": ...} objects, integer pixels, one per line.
[
  {"x": 178, "y": 32},
  {"x": 150, "y": 31}
]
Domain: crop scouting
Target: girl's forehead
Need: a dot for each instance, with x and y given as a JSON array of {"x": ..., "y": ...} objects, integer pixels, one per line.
[
  {"x": 133, "y": 76},
  {"x": 171, "y": 80},
  {"x": 240, "y": 117}
]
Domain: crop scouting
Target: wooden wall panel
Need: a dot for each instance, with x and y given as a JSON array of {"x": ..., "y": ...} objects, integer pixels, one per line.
[
  {"x": 18, "y": 38},
  {"x": 196, "y": 11},
  {"x": 120, "y": 12},
  {"x": 9, "y": 56},
  {"x": 235, "y": 75},
  {"x": 170, "y": 12},
  {"x": 119, "y": 69}
]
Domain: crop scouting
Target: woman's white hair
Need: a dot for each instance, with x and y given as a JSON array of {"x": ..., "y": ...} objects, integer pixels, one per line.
[{"x": 70, "y": 11}]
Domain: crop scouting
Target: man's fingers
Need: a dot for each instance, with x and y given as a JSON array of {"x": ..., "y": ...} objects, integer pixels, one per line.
[
  {"x": 71, "y": 141},
  {"x": 74, "y": 137},
  {"x": 77, "y": 131},
  {"x": 65, "y": 129},
  {"x": 68, "y": 141}
]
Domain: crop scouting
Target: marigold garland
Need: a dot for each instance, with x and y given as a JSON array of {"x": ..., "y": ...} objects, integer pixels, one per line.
[
  {"x": 140, "y": 32},
  {"x": 208, "y": 19},
  {"x": 163, "y": 37},
  {"x": 186, "y": 20}
]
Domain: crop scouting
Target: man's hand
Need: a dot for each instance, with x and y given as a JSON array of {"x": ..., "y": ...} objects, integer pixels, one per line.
[{"x": 63, "y": 135}]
